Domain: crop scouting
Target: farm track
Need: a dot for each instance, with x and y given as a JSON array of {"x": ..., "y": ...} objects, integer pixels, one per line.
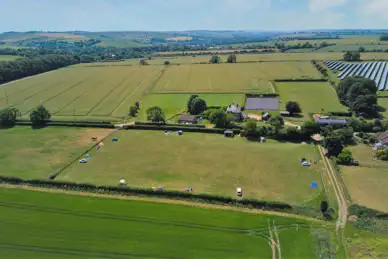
[{"x": 340, "y": 195}]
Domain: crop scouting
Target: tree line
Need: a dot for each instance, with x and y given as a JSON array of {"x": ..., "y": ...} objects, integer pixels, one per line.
[{"x": 20, "y": 68}]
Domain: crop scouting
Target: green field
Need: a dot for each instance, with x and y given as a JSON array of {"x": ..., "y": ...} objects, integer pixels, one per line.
[
  {"x": 208, "y": 163},
  {"x": 47, "y": 225},
  {"x": 250, "y": 77},
  {"x": 8, "y": 57},
  {"x": 312, "y": 96},
  {"x": 82, "y": 91},
  {"x": 383, "y": 102},
  {"x": 34, "y": 154},
  {"x": 368, "y": 182},
  {"x": 173, "y": 104}
]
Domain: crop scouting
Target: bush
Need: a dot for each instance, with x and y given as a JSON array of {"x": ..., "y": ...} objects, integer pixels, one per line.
[
  {"x": 133, "y": 111},
  {"x": 215, "y": 60},
  {"x": 197, "y": 106},
  {"x": 40, "y": 115},
  {"x": 293, "y": 107},
  {"x": 8, "y": 117},
  {"x": 232, "y": 59},
  {"x": 345, "y": 157},
  {"x": 220, "y": 118}
]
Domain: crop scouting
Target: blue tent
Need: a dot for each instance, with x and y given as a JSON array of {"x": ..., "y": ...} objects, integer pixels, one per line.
[{"x": 314, "y": 185}]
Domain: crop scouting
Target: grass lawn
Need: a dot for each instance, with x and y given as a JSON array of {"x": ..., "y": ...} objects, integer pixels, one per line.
[
  {"x": 312, "y": 96},
  {"x": 368, "y": 182},
  {"x": 384, "y": 103},
  {"x": 48, "y": 225},
  {"x": 206, "y": 162},
  {"x": 173, "y": 104},
  {"x": 33, "y": 154}
]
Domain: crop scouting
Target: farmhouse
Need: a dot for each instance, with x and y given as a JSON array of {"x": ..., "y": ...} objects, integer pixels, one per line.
[
  {"x": 235, "y": 109},
  {"x": 188, "y": 119},
  {"x": 383, "y": 139}
]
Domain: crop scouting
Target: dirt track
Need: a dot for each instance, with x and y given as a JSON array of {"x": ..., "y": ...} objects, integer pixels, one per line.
[{"x": 339, "y": 193}]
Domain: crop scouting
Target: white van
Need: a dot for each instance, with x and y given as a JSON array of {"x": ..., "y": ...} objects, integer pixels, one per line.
[{"x": 239, "y": 192}]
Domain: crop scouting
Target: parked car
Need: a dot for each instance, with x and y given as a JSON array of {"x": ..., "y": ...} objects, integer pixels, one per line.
[{"x": 239, "y": 192}]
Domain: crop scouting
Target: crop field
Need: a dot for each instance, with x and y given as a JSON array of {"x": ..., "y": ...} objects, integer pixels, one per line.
[
  {"x": 81, "y": 91},
  {"x": 208, "y": 163},
  {"x": 34, "y": 154},
  {"x": 312, "y": 96},
  {"x": 368, "y": 182},
  {"x": 173, "y": 104},
  {"x": 252, "y": 77},
  {"x": 47, "y": 225}
]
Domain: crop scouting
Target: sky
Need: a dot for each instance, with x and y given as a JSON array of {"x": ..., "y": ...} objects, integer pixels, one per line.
[{"x": 180, "y": 15}]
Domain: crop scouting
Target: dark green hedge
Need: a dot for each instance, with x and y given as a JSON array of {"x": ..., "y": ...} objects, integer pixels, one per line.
[
  {"x": 129, "y": 191},
  {"x": 262, "y": 95},
  {"x": 170, "y": 124},
  {"x": 343, "y": 114}
]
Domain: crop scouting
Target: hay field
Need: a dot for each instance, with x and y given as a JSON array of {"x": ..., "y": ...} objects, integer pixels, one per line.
[
  {"x": 244, "y": 77},
  {"x": 49, "y": 225},
  {"x": 209, "y": 163},
  {"x": 35, "y": 154},
  {"x": 368, "y": 182},
  {"x": 82, "y": 91},
  {"x": 312, "y": 96}
]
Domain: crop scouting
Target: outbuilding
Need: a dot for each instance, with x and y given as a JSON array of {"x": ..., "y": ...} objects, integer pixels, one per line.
[
  {"x": 229, "y": 133},
  {"x": 187, "y": 119},
  {"x": 325, "y": 122}
]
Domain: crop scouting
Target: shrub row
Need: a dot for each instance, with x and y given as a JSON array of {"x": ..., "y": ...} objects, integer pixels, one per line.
[
  {"x": 168, "y": 127},
  {"x": 343, "y": 114},
  {"x": 300, "y": 80},
  {"x": 129, "y": 191},
  {"x": 170, "y": 124},
  {"x": 364, "y": 212}
]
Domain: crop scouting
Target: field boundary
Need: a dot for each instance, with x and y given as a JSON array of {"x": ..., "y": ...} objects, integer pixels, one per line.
[{"x": 170, "y": 195}]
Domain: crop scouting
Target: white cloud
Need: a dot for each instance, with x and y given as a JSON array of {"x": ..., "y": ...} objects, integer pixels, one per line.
[
  {"x": 379, "y": 7},
  {"x": 322, "y": 5}
]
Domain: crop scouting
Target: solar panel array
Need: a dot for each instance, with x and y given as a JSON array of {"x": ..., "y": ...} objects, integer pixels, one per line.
[{"x": 377, "y": 71}]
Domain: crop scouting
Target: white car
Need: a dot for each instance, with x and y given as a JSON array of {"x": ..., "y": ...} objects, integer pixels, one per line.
[
  {"x": 239, "y": 192},
  {"x": 305, "y": 163}
]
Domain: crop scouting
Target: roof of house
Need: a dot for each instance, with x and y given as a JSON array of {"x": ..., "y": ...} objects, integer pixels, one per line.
[
  {"x": 188, "y": 118},
  {"x": 234, "y": 108},
  {"x": 331, "y": 122},
  {"x": 383, "y": 138}
]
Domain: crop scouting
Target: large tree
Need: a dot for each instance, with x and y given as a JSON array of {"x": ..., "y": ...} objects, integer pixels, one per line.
[
  {"x": 359, "y": 94},
  {"x": 197, "y": 106},
  {"x": 219, "y": 118},
  {"x": 215, "y": 60},
  {"x": 40, "y": 115},
  {"x": 333, "y": 143},
  {"x": 352, "y": 56},
  {"x": 232, "y": 59},
  {"x": 293, "y": 107},
  {"x": 155, "y": 114}
]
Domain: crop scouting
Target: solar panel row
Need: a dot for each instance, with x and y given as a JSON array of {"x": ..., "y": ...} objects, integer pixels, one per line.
[{"x": 377, "y": 71}]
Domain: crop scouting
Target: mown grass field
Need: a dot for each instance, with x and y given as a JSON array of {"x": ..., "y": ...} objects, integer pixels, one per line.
[
  {"x": 8, "y": 57},
  {"x": 383, "y": 102},
  {"x": 368, "y": 182},
  {"x": 208, "y": 163},
  {"x": 47, "y": 225},
  {"x": 173, "y": 104},
  {"x": 34, "y": 154},
  {"x": 81, "y": 91},
  {"x": 251, "y": 77},
  {"x": 312, "y": 96}
]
